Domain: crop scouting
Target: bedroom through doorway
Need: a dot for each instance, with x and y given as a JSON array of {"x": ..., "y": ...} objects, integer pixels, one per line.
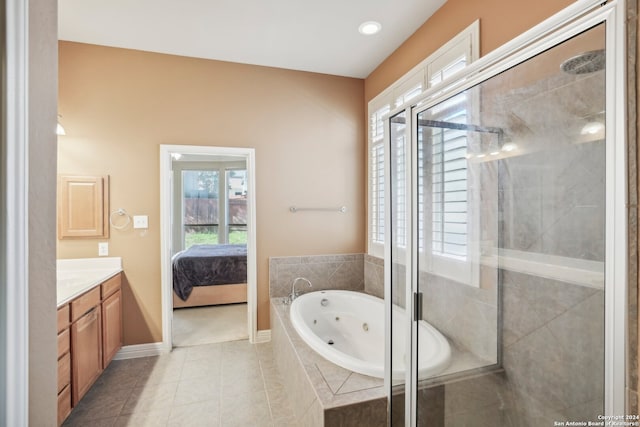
[{"x": 211, "y": 237}]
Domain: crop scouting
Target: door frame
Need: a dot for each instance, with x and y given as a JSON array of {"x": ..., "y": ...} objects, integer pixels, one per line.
[{"x": 166, "y": 185}]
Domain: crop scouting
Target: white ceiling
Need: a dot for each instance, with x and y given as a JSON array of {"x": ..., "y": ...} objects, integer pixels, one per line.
[{"x": 317, "y": 36}]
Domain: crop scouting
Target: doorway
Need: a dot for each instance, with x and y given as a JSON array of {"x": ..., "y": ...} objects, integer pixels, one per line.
[{"x": 207, "y": 215}]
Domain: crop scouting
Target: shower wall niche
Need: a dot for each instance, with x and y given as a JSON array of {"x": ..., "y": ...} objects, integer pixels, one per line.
[{"x": 509, "y": 234}]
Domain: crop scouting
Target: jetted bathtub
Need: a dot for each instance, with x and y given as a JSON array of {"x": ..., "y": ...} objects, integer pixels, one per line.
[{"x": 347, "y": 328}]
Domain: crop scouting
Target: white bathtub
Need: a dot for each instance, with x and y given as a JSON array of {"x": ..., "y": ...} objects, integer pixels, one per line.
[{"x": 347, "y": 328}]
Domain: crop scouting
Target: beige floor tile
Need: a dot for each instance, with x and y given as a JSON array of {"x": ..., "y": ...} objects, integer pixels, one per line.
[
  {"x": 251, "y": 410},
  {"x": 156, "y": 418},
  {"x": 75, "y": 420},
  {"x": 241, "y": 369},
  {"x": 201, "y": 414},
  {"x": 205, "y": 351},
  {"x": 232, "y": 387},
  {"x": 197, "y": 390},
  {"x": 210, "y": 385},
  {"x": 200, "y": 369},
  {"x": 205, "y": 325},
  {"x": 107, "y": 406},
  {"x": 150, "y": 398},
  {"x": 163, "y": 369},
  {"x": 238, "y": 347}
]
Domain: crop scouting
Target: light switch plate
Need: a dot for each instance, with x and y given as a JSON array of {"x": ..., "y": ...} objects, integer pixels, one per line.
[
  {"x": 103, "y": 249},
  {"x": 140, "y": 221}
]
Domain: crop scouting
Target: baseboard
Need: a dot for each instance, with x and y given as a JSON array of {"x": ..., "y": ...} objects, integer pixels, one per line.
[
  {"x": 140, "y": 350},
  {"x": 263, "y": 336}
]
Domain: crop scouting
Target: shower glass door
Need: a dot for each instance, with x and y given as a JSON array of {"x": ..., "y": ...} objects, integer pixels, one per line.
[{"x": 508, "y": 234}]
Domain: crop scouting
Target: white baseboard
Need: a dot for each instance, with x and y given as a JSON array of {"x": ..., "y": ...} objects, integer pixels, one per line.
[
  {"x": 140, "y": 350},
  {"x": 263, "y": 336}
]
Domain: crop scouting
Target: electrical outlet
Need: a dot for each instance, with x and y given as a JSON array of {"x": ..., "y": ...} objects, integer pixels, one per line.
[
  {"x": 140, "y": 221},
  {"x": 103, "y": 249}
]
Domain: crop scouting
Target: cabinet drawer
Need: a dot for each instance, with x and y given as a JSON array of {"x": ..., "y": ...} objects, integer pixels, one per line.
[
  {"x": 64, "y": 372},
  {"x": 84, "y": 303},
  {"x": 111, "y": 285},
  {"x": 64, "y": 404},
  {"x": 63, "y": 317},
  {"x": 64, "y": 343}
]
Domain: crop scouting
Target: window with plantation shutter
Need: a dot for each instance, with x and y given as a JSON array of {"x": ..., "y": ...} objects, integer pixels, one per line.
[
  {"x": 376, "y": 168},
  {"x": 449, "y": 172},
  {"x": 449, "y": 183},
  {"x": 445, "y": 62}
]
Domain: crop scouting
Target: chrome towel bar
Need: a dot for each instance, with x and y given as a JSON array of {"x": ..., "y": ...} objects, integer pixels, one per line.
[{"x": 341, "y": 209}]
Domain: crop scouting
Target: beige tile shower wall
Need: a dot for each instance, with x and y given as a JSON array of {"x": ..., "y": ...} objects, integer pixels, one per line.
[
  {"x": 324, "y": 271},
  {"x": 553, "y": 341},
  {"x": 466, "y": 315}
]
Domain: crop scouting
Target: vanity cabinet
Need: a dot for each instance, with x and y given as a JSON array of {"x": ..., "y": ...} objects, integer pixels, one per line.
[
  {"x": 86, "y": 345},
  {"x": 89, "y": 335},
  {"x": 83, "y": 207},
  {"x": 111, "y": 319},
  {"x": 64, "y": 364}
]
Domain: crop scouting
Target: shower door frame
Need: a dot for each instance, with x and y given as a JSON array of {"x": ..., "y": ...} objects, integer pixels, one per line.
[{"x": 578, "y": 17}]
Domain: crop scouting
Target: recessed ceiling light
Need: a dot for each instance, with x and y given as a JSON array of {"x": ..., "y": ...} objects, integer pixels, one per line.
[{"x": 369, "y": 28}]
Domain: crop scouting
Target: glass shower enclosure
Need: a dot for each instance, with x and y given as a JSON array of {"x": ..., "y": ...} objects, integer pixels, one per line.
[{"x": 499, "y": 195}]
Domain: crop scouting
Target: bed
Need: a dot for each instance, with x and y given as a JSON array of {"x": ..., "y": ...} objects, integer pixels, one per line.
[{"x": 210, "y": 275}]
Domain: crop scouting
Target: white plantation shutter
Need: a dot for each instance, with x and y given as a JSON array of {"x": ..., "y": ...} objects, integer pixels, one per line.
[
  {"x": 449, "y": 171},
  {"x": 376, "y": 132},
  {"x": 449, "y": 185},
  {"x": 401, "y": 187},
  {"x": 413, "y": 90},
  {"x": 376, "y": 123}
]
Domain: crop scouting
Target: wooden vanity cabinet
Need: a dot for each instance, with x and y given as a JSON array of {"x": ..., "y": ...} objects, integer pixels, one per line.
[
  {"x": 86, "y": 343},
  {"x": 89, "y": 335},
  {"x": 111, "y": 319},
  {"x": 64, "y": 364}
]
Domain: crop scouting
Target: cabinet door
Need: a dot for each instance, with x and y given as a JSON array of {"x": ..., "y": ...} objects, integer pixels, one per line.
[
  {"x": 83, "y": 206},
  {"x": 86, "y": 351},
  {"x": 111, "y": 327}
]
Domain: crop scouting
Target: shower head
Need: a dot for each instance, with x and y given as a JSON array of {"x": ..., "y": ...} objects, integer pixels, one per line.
[{"x": 584, "y": 63}]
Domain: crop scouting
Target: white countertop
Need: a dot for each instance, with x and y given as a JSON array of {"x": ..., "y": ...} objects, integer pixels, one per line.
[{"x": 77, "y": 276}]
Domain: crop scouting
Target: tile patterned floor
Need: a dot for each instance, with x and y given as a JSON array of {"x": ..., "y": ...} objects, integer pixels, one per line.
[
  {"x": 206, "y": 325},
  {"x": 225, "y": 384}
]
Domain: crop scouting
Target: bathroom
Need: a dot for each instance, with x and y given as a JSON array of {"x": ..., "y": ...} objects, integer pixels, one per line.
[{"x": 119, "y": 106}]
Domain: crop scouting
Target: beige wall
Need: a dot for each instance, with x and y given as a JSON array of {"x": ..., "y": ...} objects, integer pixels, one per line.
[
  {"x": 500, "y": 21},
  {"x": 119, "y": 105}
]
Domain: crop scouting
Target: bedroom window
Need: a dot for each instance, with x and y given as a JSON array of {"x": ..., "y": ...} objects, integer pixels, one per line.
[
  {"x": 200, "y": 207},
  {"x": 237, "y": 206},
  {"x": 214, "y": 206}
]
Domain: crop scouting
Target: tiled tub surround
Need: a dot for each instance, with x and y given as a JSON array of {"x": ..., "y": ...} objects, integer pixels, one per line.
[
  {"x": 324, "y": 271},
  {"x": 374, "y": 276},
  {"x": 324, "y": 394}
]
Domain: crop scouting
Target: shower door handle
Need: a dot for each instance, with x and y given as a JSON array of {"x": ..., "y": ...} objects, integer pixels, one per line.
[{"x": 417, "y": 306}]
